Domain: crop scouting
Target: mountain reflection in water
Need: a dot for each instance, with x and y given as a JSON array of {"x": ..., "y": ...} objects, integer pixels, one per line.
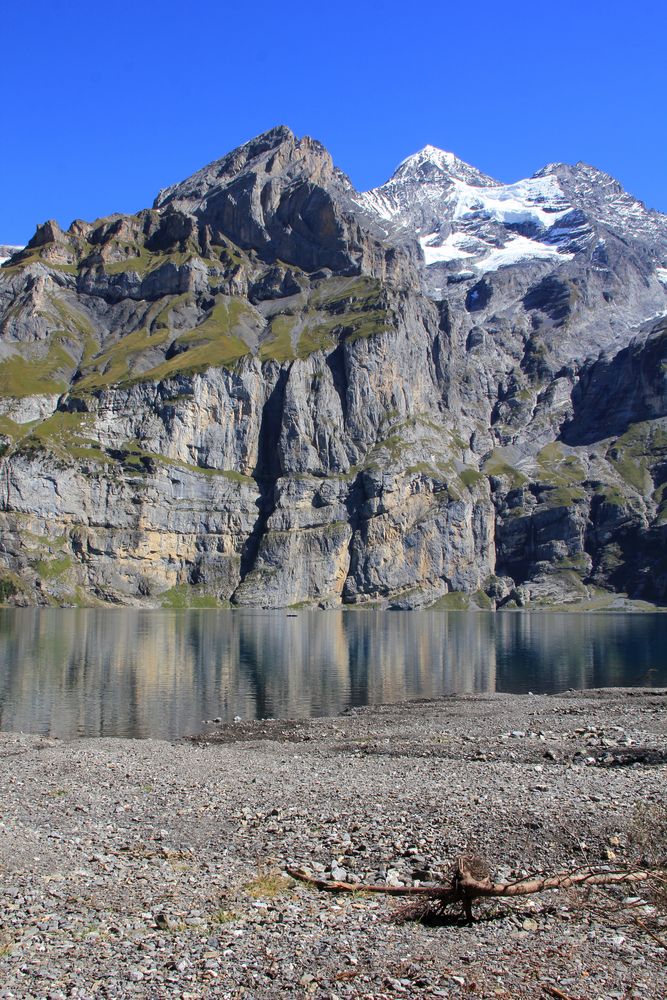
[{"x": 72, "y": 673}]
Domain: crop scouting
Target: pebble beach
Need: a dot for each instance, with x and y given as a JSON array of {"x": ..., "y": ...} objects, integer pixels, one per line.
[{"x": 140, "y": 868}]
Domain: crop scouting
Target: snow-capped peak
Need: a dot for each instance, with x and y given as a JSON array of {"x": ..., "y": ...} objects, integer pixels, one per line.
[
  {"x": 422, "y": 183},
  {"x": 438, "y": 165},
  {"x": 466, "y": 223},
  {"x": 430, "y": 154}
]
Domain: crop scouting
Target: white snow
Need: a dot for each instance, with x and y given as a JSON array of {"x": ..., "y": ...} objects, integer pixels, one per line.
[
  {"x": 487, "y": 257},
  {"x": 379, "y": 203},
  {"x": 431, "y": 191},
  {"x": 537, "y": 200},
  {"x": 449, "y": 250},
  {"x": 430, "y": 154},
  {"x": 466, "y": 203},
  {"x": 517, "y": 249}
]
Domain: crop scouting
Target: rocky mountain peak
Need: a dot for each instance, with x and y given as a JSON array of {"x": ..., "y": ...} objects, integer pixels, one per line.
[
  {"x": 602, "y": 201},
  {"x": 439, "y": 166},
  {"x": 276, "y": 154},
  {"x": 277, "y": 195},
  {"x": 568, "y": 171},
  {"x": 468, "y": 225}
]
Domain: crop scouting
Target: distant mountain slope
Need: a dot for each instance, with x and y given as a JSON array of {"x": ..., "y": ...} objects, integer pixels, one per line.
[{"x": 270, "y": 389}]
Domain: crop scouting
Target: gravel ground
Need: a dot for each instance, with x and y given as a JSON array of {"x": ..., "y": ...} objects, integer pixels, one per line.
[{"x": 149, "y": 869}]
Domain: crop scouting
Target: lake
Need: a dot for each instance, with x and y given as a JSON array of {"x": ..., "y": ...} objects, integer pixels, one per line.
[{"x": 71, "y": 672}]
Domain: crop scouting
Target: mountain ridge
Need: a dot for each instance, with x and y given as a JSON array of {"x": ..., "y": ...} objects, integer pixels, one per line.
[{"x": 263, "y": 391}]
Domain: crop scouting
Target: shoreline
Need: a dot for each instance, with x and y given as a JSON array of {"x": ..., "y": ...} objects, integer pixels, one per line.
[
  {"x": 459, "y": 602},
  {"x": 155, "y": 869}
]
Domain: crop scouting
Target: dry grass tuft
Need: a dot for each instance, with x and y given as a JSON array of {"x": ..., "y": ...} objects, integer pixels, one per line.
[{"x": 268, "y": 885}]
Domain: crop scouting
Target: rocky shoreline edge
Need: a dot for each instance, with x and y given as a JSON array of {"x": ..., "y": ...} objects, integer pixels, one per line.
[{"x": 152, "y": 869}]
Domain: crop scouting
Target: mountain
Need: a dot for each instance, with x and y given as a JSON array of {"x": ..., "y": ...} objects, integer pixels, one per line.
[
  {"x": 559, "y": 221},
  {"x": 465, "y": 218},
  {"x": 270, "y": 389}
]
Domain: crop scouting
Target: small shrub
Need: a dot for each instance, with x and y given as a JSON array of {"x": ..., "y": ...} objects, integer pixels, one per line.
[{"x": 7, "y": 590}]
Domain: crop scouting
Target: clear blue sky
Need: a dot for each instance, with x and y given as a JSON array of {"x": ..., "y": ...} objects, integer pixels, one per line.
[{"x": 103, "y": 104}]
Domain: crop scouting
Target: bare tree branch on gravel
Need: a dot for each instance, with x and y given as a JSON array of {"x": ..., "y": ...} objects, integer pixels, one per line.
[{"x": 471, "y": 880}]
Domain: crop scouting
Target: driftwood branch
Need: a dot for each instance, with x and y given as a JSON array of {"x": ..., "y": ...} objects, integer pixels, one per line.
[
  {"x": 390, "y": 890},
  {"x": 656, "y": 937},
  {"x": 553, "y": 991},
  {"x": 467, "y": 884}
]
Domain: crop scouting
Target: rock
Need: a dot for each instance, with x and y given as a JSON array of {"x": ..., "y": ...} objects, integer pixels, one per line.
[
  {"x": 394, "y": 877},
  {"x": 313, "y": 404}
]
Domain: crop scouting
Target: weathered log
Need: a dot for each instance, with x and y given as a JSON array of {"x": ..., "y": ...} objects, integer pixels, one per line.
[
  {"x": 464, "y": 887},
  {"x": 390, "y": 890}
]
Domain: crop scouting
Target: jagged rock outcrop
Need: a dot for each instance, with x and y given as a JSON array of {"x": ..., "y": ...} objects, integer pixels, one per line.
[{"x": 271, "y": 390}]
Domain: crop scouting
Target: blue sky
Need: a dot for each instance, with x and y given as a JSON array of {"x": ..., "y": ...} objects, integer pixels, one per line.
[{"x": 103, "y": 104}]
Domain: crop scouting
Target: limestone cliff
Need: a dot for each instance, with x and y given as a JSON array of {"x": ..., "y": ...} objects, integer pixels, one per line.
[{"x": 270, "y": 390}]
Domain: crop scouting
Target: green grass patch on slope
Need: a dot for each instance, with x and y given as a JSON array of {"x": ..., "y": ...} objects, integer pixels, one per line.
[
  {"x": 37, "y": 257},
  {"x": 50, "y": 569},
  {"x": 115, "y": 363},
  {"x": 186, "y": 596},
  {"x": 558, "y": 467},
  {"x": 215, "y": 343},
  {"x": 561, "y": 474},
  {"x": 63, "y": 435},
  {"x": 11, "y": 584},
  {"x": 496, "y": 465},
  {"x": 144, "y": 262},
  {"x": 161, "y": 320},
  {"x": 636, "y": 452},
  {"x": 456, "y": 600},
  {"x": 278, "y": 345},
  {"x": 46, "y": 367},
  {"x": 221, "y": 353},
  {"x": 22, "y": 376},
  {"x": 471, "y": 477},
  {"x": 349, "y": 310},
  {"x": 339, "y": 294},
  {"x": 338, "y": 308}
]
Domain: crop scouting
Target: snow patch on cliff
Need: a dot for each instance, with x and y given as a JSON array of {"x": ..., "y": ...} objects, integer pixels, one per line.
[
  {"x": 519, "y": 249},
  {"x": 538, "y": 201}
]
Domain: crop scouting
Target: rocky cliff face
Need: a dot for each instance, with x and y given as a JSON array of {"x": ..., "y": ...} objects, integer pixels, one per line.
[{"x": 270, "y": 390}]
